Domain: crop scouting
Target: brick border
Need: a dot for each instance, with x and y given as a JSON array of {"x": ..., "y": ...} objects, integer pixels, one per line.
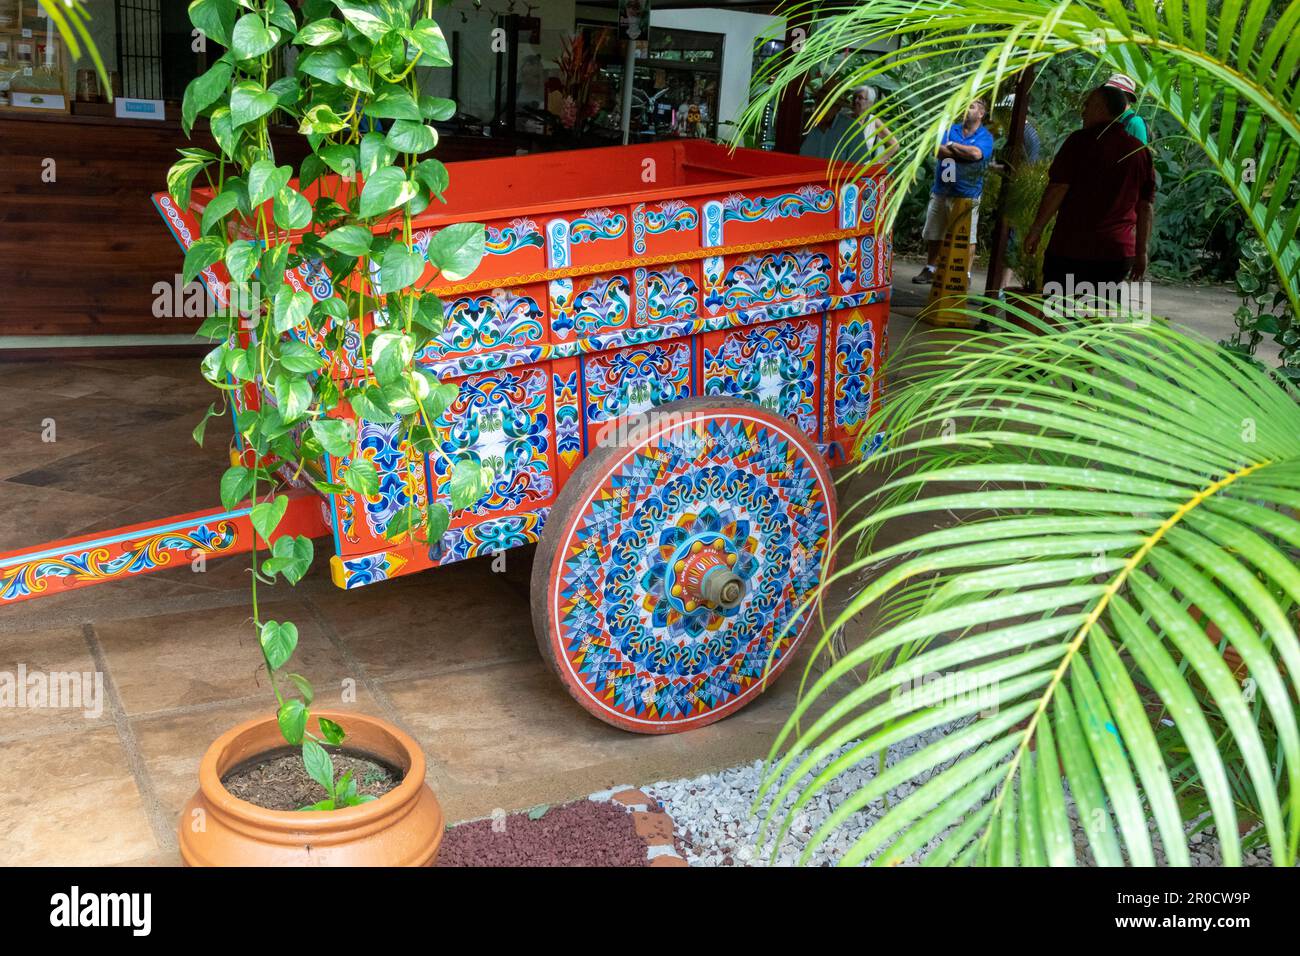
[{"x": 655, "y": 828}]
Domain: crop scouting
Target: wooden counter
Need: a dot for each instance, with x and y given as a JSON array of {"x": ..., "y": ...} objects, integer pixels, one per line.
[{"x": 81, "y": 255}]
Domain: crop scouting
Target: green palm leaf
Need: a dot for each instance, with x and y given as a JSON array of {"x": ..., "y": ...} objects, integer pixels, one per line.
[
  {"x": 71, "y": 19},
  {"x": 1119, "y": 486},
  {"x": 1226, "y": 72}
]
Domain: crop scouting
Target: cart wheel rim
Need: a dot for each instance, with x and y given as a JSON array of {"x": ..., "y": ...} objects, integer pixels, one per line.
[{"x": 680, "y": 564}]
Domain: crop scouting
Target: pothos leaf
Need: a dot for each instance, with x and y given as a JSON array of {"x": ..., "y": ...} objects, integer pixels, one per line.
[
  {"x": 457, "y": 249},
  {"x": 362, "y": 477},
  {"x": 199, "y": 256},
  {"x": 318, "y": 764},
  {"x": 266, "y": 515},
  {"x": 292, "y": 718},
  {"x": 439, "y": 519},
  {"x": 469, "y": 482},
  {"x": 387, "y": 189},
  {"x": 335, "y": 435},
  {"x": 331, "y": 731},
  {"x": 279, "y": 639},
  {"x": 251, "y": 37}
]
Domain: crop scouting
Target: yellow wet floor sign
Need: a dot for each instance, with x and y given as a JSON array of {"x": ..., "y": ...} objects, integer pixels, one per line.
[{"x": 951, "y": 274}]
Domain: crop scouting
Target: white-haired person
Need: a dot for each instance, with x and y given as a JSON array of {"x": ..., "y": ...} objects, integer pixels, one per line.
[{"x": 878, "y": 143}]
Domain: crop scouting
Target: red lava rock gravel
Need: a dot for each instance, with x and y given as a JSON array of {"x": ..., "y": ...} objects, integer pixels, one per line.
[{"x": 583, "y": 833}]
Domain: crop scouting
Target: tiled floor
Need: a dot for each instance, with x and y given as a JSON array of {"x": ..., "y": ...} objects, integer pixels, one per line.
[{"x": 448, "y": 655}]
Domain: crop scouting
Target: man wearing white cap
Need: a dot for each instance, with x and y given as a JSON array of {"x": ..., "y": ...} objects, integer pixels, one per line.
[{"x": 1133, "y": 124}]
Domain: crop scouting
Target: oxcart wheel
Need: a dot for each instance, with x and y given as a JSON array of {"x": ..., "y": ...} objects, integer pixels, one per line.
[{"x": 674, "y": 559}]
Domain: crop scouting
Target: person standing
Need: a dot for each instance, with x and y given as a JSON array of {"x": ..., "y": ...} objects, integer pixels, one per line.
[
  {"x": 1133, "y": 124},
  {"x": 1101, "y": 189},
  {"x": 963, "y": 157},
  {"x": 878, "y": 143},
  {"x": 831, "y": 133}
]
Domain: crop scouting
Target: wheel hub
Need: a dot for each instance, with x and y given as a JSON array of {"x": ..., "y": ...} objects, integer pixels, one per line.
[{"x": 703, "y": 575}]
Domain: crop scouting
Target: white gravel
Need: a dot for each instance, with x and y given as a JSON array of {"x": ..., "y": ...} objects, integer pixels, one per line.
[{"x": 712, "y": 815}]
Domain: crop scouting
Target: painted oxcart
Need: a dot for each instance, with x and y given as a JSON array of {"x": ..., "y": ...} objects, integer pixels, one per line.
[{"x": 660, "y": 356}]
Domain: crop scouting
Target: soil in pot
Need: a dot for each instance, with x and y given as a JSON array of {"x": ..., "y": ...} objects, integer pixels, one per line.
[{"x": 277, "y": 780}]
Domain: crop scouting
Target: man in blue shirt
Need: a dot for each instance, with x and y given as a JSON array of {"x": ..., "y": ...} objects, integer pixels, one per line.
[{"x": 963, "y": 156}]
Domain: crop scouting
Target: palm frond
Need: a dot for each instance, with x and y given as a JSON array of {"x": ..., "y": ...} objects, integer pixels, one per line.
[
  {"x": 70, "y": 19},
  {"x": 1133, "y": 484}
]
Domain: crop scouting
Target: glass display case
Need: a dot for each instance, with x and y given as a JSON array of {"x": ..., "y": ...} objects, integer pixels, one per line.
[
  {"x": 33, "y": 67},
  {"x": 675, "y": 84}
]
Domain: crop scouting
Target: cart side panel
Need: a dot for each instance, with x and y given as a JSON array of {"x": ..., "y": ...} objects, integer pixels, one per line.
[
  {"x": 566, "y": 392},
  {"x": 361, "y": 523},
  {"x": 589, "y": 305},
  {"x": 593, "y": 237},
  {"x": 668, "y": 292},
  {"x": 665, "y": 227},
  {"x": 770, "y": 215},
  {"x": 478, "y": 323},
  {"x": 503, "y": 421},
  {"x": 780, "y": 281},
  {"x": 855, "y": 349}
]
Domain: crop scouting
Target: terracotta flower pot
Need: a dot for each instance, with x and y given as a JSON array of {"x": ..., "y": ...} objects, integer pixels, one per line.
[{"x": 404, "y": 827}]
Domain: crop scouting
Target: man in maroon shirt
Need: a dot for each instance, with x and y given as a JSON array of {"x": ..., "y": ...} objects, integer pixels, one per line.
[{"x": 1101, "y": 188}]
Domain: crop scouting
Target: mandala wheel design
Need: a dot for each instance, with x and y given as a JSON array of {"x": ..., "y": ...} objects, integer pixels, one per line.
[{"x": 677, "y": 560}]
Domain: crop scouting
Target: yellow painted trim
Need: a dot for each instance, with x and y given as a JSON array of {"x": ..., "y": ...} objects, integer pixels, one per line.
[{"x": 336, "y": 572}]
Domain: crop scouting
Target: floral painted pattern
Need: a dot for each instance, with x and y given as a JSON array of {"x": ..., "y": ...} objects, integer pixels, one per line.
[
  {"x": 668, "y": 294},
  {"x": 499, "y": 421},
  {"x": 518, "y": 234},
  {"x": 635, "y": 379},
  {"x": 774, "y": 366},
  {"x": 776, "y": 277},
  {"x": 599, "y": 304},
  {"x": 806, "y": 199},
  {"x": 854, "y": 370}
]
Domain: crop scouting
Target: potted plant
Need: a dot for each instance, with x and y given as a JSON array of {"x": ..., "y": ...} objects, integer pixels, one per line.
[{"x": 353, "y": 789}]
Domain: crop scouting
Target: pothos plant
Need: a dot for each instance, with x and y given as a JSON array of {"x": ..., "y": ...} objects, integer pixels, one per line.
[
  {"x": 1264, "y": 310},
  {"x": 354, "y": 94}
]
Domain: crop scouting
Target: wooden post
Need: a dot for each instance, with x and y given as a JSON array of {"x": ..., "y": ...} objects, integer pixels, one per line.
[
  {"x": 789, "y": 109},
  {"x": 1015, "y": 142}
]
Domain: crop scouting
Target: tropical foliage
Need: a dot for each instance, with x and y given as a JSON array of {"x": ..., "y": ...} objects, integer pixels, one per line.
[
  {"x": 1122, "y": 583},
  {"x": 1265, "y": 310},
  {"x": 1120, "y": 485},
  {"x": 346, "y": 215}
]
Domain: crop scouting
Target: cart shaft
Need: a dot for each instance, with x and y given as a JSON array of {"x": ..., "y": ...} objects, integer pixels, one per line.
[{"x": 151, "y": 546}]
